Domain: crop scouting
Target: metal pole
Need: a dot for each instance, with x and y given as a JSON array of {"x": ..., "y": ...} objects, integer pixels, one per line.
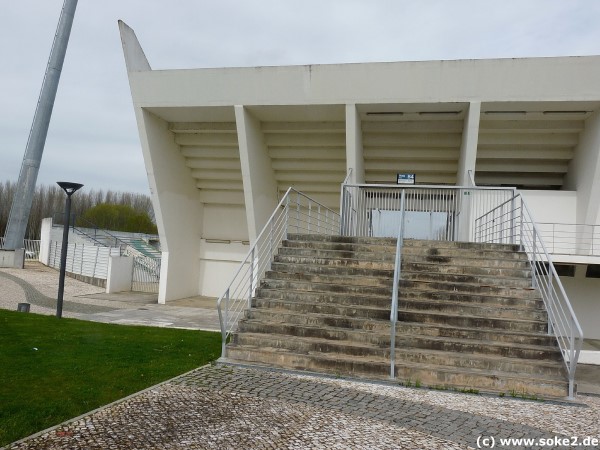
[
  {"x": 23, "y": 198},
  {"x": 63, "y": 259}
]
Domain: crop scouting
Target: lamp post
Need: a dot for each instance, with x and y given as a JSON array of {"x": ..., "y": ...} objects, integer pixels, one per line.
[{"x": 70, "y": 189}]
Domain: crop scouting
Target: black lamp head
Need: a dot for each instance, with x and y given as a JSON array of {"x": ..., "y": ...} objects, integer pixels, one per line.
[{"x": 68, "y": 187}]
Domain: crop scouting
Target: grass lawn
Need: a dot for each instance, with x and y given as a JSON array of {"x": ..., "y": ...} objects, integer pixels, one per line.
[{"x": 52, "y": 370}]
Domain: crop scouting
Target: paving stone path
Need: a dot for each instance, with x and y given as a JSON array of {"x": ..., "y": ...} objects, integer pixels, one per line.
[
  {"x": 232, "y": 407},
  {"x": 35, "y": 297}
]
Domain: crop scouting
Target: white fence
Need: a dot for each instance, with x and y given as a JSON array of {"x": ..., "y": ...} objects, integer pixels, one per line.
[
  {"x": 86, "y": 260},
  {"x": 32, "y": 248}
]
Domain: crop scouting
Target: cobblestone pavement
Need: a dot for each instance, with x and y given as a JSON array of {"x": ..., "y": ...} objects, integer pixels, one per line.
[{"x": 232, "y": 407}]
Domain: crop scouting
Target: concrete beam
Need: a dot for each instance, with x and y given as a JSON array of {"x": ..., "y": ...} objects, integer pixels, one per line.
[
  {"x": 354, "y": 145},
  {"x": 468, "y": 148},
  {"x": 260, "y": 186}
]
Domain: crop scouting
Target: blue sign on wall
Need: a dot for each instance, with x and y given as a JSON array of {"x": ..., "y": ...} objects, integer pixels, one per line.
[{"x": 405, "y": 178}]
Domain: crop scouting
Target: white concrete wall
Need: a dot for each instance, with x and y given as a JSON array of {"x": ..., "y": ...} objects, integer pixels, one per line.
[
  {"x": 224, "y": 245},
  {"x": 14, "y": 259},
  {"x": 120, "y": 274},
  {"x": 552, "y": 206},
  {"x": 218, "y": 264},
  {"x": 584, "y": 294}
]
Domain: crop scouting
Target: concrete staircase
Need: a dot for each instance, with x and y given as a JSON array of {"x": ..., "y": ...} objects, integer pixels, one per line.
[{"x": 468, "y": 317}]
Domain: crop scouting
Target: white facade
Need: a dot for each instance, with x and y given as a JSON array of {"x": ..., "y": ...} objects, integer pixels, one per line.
[{"x": 221, "y": 145}]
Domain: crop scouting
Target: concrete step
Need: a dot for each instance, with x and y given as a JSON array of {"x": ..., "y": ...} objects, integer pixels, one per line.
[
  {"x": 470, "y": 298},
  {"x": 474, "y": 309},
  {"x": 340, "y": 239},
  {"x": 337, "y": 254},
  {"x": 442, "y": 253},
  {"x": 370, "y": 254},
  {"x": 325, "y": 298},
  {"x": 326, "y": 269},
  {"x": 437, "y": 268},
  {"x": 407, "y": 242},
  {"x": 474, "y": 280},
  {"x": 325, "y": 287},
  {"x": 304, "y": 307},
  {"x": 466, "y": 260},
  {"x": 466, "y": 321},
  {"x": 330, "y": 274},
  {"x": 469, "y": 288},
  {"x": 426, "y": 375},
  {"x": 404, "y": 296},
  {"x": 355, "y": 280},
  {"x": 343, "y": 324},
  {"x": 335, "y": 262},
  {"x": 496, "y": 335},
  {"x": 317, "y": 320},
  {"x": 330, "y": 339},
  {"x": 290, "y": 283},
  {"x": 298, "y": 301}
]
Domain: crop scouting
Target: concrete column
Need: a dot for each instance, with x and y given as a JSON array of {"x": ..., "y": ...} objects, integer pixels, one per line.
[
  {"x": 354, "y": 147},
  {"x": 177, "y": 205},
  {"x": 45, "y": 239},
  {"x": 260, "y": 186},
  {"x": 584, "y": 172},
  {"x": 468, "y": 148}
]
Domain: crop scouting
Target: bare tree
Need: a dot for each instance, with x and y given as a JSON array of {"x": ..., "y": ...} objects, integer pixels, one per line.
[{"x": 48, "y": 201}]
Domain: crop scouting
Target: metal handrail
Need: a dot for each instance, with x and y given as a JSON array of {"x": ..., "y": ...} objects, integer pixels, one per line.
[
  {"x": 513, "y": 219},
  {"x": 394, "y": 307},
  {"x": 571, "y": 238},
  {"x": 295, "y": 212}
]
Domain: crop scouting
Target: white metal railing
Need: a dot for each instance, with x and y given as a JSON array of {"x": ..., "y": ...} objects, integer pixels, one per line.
[
  {"x": 571, "y": 239},
  {"x": 295, "y": 213},
  {"x": 32, "y": 248},
  {"x": 146, "y": 271},
  {"x": 512, "y": 222},
  {"x": 82, "y": 259},
  {"x": 431, "y": 212}
]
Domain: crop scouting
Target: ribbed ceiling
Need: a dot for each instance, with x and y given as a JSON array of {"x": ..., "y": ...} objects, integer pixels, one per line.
[
  {"x": 527, "y": 149},
  {"x": 428, "y": 147},
  {"x": 211, "y": 152},
  {"x": 309, "y": 156}
]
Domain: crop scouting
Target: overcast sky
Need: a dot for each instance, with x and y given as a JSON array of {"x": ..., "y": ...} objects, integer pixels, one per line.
[{"x": 93, "y": 136}]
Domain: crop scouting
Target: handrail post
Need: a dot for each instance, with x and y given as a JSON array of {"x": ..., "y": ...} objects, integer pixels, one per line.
[
  {"x": 572, "y": 362},
  {"x": 287, "y": 215},
  {"x": 534, "y": 258},
  {"x": 550, "y": 302},
  {"x": 512, "y": 220},
  {"x": 297, "y": 212},
  {"x": 251, "y": 278},
  {"x": 271, "y": 245},
  {"x": 521, "y": 226},
  {"x": 394, "y": 308},
  {"x": 223, "y": 320}
]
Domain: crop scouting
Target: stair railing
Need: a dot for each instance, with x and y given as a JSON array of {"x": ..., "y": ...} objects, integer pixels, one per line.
[
  {"x": 512, "y": 222},
  {"x": 295, "y": 213},
  {"x": 397, "y": 271}
]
